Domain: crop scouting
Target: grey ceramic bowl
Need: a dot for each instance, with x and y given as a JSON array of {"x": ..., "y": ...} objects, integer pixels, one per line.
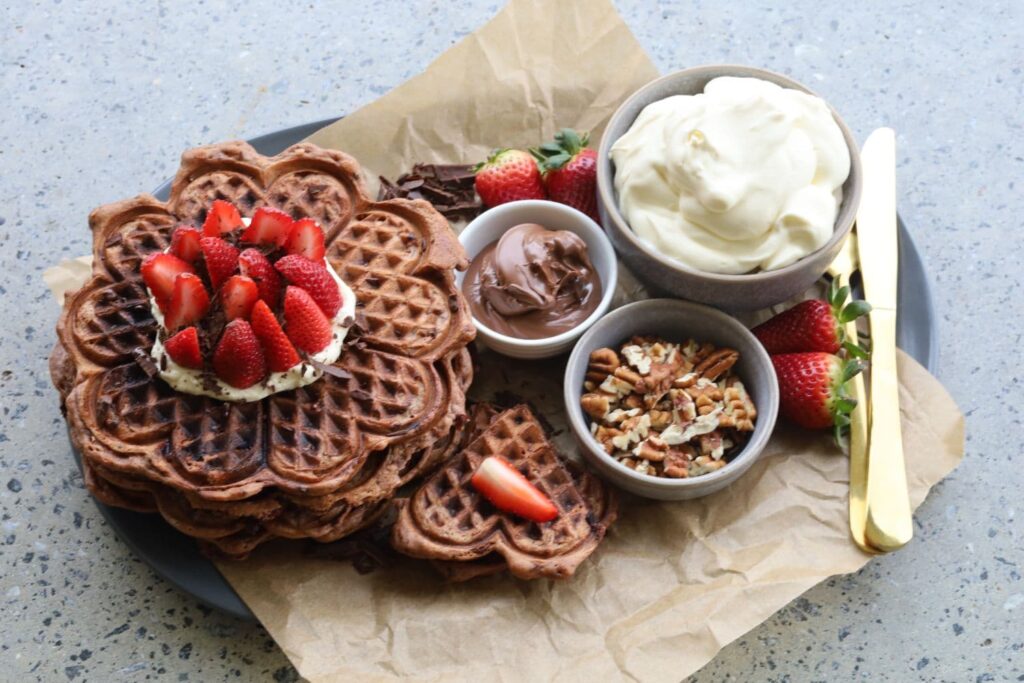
[
  {"x": 664, "y": 274},
  {"x": 674, "y": 321}
]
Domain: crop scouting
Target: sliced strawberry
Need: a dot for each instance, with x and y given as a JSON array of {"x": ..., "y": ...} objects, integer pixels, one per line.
[
  {"x": 159, "y": 271},
  {"x": 238, "y": 295},
  {"x": 238, "y": 359},
  {"x": 313, "y": 277},
  {"x": 268, "y": 226},
  {"x": 277, "y": 349},
  {"x": 509, "y": 491},
  {"x": 221, "y": 260},
  {"x": 306, "y": 325},
  {"x": 222, "y": 217},
  {"x": 185, "y": 243},
  {"x": 189, "y": 302},
  {"x": 183, "y": 348},
  {"x": 306, "y": 239},
  {"x": 255, "y": 265}
]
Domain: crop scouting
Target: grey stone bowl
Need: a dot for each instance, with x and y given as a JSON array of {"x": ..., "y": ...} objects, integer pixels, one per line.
[
  {"x": 663, "y": 274},
  {"x": 674, "y": 321}
]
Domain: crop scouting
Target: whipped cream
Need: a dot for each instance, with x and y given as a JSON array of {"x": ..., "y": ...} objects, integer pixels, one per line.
[
  {"x": 191, "y": 381},
  {"x": 747, "y": 175}
]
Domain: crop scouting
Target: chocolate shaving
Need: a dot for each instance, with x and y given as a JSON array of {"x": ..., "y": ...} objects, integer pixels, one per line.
[
  {"x": 332, "y": 370},
  {"x": 146, "y": 362},
  {"x": 448, "y": 187}
]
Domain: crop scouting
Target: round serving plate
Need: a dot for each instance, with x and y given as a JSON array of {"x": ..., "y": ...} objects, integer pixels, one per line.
[{"x": 175, "y": 557}]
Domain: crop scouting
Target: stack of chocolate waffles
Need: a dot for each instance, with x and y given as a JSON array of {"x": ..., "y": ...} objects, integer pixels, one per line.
[{"x": 318, "y": 462}]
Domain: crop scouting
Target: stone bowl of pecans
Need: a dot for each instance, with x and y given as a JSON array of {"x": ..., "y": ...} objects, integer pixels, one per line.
[{"x": 670, "y": 399}]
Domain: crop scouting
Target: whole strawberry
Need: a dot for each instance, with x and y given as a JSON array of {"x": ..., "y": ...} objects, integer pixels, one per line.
[
  {"x": 569, "y": 170},
  {"x": 812, "y": 389},
  {"x": 814, "y": 325},
  {"x": 508, "y": 175}
]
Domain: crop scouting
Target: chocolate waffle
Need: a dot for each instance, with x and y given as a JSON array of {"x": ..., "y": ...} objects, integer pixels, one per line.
[
  {"x": 319, "y": 461},
  {"x": 448, "y": 521}
]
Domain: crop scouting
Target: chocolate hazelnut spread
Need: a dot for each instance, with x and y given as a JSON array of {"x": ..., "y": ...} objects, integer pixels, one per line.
[{"x": 533, "y": 283}]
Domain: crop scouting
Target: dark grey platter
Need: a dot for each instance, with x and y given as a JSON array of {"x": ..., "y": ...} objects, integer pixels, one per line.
[{"x": 175, "y": 556}]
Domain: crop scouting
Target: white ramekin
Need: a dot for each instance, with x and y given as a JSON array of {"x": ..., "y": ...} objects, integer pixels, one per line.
[{"x": 492, "y": 224}]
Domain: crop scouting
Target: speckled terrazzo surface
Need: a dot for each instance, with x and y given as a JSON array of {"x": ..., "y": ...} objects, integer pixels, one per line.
[{"x": 102, "y": 97}]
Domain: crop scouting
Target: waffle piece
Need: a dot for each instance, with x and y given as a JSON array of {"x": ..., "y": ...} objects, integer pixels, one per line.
[
  {"x": 449, "y": 521},
  {"x": 349, "y": 439},
  {"x": 228, "y": 523}
]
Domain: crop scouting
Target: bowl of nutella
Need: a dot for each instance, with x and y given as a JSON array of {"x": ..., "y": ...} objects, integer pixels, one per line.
[
  {"x": 540, "y": 274},
  {"x": 728, "y": 185}
]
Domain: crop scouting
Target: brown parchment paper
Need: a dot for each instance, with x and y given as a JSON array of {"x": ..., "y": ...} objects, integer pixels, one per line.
[{"x": 674, "y": 582}]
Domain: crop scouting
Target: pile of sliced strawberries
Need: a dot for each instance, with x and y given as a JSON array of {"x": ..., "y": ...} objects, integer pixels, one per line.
[{"x": 254, "y": 298}]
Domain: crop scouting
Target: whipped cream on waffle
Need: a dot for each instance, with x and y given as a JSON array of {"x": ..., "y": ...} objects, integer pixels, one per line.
[{"x": 199, "y": 382}]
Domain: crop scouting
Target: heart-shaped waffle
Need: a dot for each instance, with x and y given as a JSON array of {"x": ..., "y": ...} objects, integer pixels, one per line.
[
  {"x": 449, "y": 521},
  {"x": 350, "y": 438}
]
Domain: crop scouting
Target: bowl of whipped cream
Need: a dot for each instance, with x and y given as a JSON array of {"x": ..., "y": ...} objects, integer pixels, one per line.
[{"x": 728, "y": 185}]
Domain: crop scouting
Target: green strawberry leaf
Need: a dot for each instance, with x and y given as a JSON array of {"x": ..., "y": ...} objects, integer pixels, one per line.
[
  {"x": 837, "y": 295},
  {"x": 555, "y": 162},
  {"x": 570, "y": 140},
  {"x": 851, "y": 369},
  {"x": 845, "y": 405},
  {"x": 854, "y": 310},
  {"x": 856, "y": 350},
  {"x": 839, "y": 434}
]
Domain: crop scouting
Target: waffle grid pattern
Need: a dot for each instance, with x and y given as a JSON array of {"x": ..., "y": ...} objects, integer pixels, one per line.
[{"x": 447, "y": 520}]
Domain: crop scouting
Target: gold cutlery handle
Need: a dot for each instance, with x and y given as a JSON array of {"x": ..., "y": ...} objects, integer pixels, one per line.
[
  {"x": 858, "y": 449},
  {"x": 889, "y": 522}
]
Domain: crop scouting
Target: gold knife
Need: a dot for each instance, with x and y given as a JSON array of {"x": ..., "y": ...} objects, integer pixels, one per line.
[
  {"x": 841, "y": 269},
  {"x": 889, "y": 525}
]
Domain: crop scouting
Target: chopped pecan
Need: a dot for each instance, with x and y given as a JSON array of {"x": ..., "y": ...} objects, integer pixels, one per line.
[
  {"x": 660, "y": 419},
  {"x": 657, "y": 382},
  {"x": 685, "y": 381},
  {"x": 627, "y": 375},
  {"x": 739, "y": 411},
  {"x": 602, "y": 363},
  {"x": 637, "y": 357},
  {"x": 677, "y": 462},
  {"x": 711, "y": 444},
  {"x": 683, "y": 404},
  {"x": 644, "y": 467},
  {"x": 702, "y": 352},
  {"x": 595, "y": 405},
  {"x": 652, "y": 448},
  {"x": 706, "y": 396},
  {"x": 633, "y": 401},
  {"x": 605, "y": 435},
  {"x": 717, "y": 363},
  {"x": 616, "y": 386}
]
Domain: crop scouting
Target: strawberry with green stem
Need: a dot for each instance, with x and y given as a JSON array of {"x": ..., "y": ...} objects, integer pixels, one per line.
[
  {"x": 812, "y": 389},
  {"x": 569, "y": 170},
  {"x": 815, "y": 325},
  {"x": 508, "y": 175}
]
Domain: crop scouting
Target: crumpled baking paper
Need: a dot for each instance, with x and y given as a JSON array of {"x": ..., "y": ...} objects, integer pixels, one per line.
[{"x": 674, "y": 582}]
